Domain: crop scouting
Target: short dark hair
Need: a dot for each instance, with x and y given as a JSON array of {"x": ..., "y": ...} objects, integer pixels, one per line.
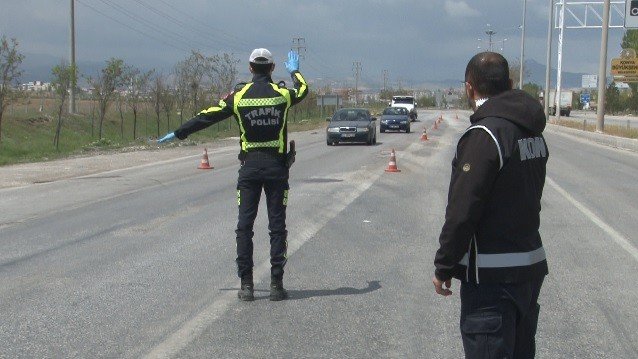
[
  {"x": 489, "y": 73},
  {"x": 262, "y": 69}
]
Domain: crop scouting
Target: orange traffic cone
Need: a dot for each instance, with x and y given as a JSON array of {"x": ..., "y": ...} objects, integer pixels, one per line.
[
  {"x": 436, "y": 124},
  {"x": 392, "y": 166},
  {"x": 457, "y": 116},
  {"x": 204, "y": 164},
  {"x": 424, "y": 136}
]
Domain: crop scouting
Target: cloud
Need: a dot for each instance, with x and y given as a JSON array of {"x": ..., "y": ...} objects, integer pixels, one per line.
[{"x": 460, "y": 9}]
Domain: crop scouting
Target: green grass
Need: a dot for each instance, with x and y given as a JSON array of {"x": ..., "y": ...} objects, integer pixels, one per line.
[
  {"x": 27, "y": 134},
  {"x": 620, "y": 131}
]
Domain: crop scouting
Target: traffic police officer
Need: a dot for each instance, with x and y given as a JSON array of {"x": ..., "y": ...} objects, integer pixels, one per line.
[
  {"x": 261, "y": 110},
  {"x": 490, "y": 240}
]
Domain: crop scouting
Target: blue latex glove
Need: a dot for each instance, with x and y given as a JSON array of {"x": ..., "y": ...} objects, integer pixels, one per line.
[
  {"x": 293, "y": 62},
  {"x": 169, "y": 137}
]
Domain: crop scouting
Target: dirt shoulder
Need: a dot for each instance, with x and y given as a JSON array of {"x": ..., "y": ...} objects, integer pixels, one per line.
[{"x": 41, "y": 172}]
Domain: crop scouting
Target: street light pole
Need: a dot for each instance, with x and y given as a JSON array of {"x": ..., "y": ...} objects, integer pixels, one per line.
[
  {"x": 72, "y": 60},
  {"x": 548, "y": 60},
  {"x": 602, "y": 70},
  {"x": 520, "y": 82},
  {"x": 559, "y": 67}
]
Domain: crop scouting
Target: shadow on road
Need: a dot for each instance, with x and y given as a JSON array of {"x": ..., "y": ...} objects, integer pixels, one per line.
[
  {"x": 310, "y": 293},
  {"x": 296, "y": 294}
]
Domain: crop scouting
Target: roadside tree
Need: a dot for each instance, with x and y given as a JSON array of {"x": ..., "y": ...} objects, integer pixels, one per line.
[
  {"x": 181, "y": 85},
  {"x": 62, "y": 80},
  {"x": 10, "y": 72},
  {"x": 223, "y": 73},
  {"x": 612, "y": 99},
  {"x": 138, "y": 82},
  {"x": 158, "y": 89},
  {"x": 104, "y": 86},
  {"x": 168, "y": 104},
  {"x": 195, "y": 68},
  {"x": 630, "y": 41}
]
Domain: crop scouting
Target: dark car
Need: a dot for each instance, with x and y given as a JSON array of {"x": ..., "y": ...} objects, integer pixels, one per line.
[
  {"x": 351, "y": 125},
  {"x": 395, "y": 119}
]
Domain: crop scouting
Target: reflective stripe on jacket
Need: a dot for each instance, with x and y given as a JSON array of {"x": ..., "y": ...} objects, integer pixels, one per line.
[{"x": 261, "y": 110}]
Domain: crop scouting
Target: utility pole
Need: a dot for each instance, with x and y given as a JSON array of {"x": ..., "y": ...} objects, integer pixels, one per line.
[
  {"x": 548, "y": 60},
  {"x": 385, "y": 80},
  {"x": 602, "y": 70},
  {"x": 520, "y": 83},
  {"x": 356, "y": 68},
  {"x": 490, "y": 33},
  {"x": 299, "y": 44},
  {"x": 559, "y": 66},
  {"x": 72, "y": 60}
]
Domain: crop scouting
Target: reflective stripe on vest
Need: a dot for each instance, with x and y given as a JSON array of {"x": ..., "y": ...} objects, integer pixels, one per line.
[
  {"x": 236, "y": 99},
  {"x": 258, "y": 102},
  {"x": 286, "y": 95},
  {"x": 271, "y": 144},
  {"x": 505, "y": 260}
]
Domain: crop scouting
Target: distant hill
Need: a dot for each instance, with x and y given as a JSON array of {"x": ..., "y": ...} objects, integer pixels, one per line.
[
  {"x": 38, "y": 67},
  {"x": 534, "y": 70}
]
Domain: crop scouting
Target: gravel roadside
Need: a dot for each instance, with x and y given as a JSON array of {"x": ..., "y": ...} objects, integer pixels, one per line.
[{"x": 26, "y": 174}]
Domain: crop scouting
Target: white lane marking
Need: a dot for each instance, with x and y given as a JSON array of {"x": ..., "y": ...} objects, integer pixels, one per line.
[
  {"x": 305, "y": 231},
  {"x": 617, "y": 237}
]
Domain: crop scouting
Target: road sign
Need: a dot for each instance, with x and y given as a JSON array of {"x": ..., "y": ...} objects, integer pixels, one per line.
[
  {"x": 584, "y": 98},
  {"x": 631, "y": 14},
  {"x": 329, "y": 100},
  {"x": 589, "y": 81},
  {"x": 624, "y": 66},
  {"x": 626, "y": 79}
]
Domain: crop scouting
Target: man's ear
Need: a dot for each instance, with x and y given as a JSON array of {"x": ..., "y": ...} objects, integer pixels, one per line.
[
  {"x": 251, "y": 69},
  {"x": 272, "y": 68},
  {"x": 469, "y": 90}
]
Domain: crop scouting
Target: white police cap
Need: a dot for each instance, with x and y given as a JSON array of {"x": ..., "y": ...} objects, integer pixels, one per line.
[{"x": 260, "y": 56}]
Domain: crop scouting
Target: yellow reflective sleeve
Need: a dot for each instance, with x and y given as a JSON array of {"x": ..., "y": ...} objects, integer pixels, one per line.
[
  {"x": 213, "y": 109},
  {"x": 236, "y": 99},
  {"x": 301, "y": 87}
]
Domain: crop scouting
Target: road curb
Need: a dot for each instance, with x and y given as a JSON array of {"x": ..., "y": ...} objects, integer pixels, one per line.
[{"x": 630, "y": 144}]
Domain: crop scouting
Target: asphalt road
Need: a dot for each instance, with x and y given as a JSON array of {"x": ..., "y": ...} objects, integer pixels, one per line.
[{"x": 140, "y": 262}]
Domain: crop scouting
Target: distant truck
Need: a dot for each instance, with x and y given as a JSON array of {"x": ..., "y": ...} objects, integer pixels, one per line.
[
  {"x": 408, "y": 102},
  {"x": 566, "y": 98}
]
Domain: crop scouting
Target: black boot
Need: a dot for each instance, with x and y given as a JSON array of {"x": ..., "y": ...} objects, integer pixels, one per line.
[
  {"x": 277, "y": 291},
  {"x": 246, "y": 292}
]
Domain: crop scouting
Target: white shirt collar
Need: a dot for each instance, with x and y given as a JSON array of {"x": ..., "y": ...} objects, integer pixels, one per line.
[{"x": 481, "y": 101}]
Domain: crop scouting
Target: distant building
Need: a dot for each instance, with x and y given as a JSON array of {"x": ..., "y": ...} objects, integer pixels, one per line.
[{"x": 35, "y": 86}]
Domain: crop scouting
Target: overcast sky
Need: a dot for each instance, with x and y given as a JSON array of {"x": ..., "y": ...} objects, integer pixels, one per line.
[{"x": 414, "y": 40}]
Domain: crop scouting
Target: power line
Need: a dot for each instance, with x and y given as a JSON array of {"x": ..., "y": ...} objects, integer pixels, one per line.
[
  {"x": 205, "y": 25},
  {"x": 175, "y": 36},
  {"x": 186, "y": 24},
  {"x": 131, "y": 28}
]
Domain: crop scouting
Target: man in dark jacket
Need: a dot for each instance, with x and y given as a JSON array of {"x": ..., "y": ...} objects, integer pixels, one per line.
[
  {"x": 490, "y": 240},
  {"x": 261, "y": 110}
]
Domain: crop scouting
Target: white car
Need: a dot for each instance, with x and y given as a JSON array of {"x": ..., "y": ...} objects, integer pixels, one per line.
[{"x": 405, "y": 101}]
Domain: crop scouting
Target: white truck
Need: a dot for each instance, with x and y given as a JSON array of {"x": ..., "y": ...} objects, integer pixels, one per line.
[
  {"x": 566, "y": 98},
  {"x": 405, "y": 101}
]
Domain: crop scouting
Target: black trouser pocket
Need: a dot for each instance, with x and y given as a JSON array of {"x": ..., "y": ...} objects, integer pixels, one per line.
[{"x": 483, "y": 335}]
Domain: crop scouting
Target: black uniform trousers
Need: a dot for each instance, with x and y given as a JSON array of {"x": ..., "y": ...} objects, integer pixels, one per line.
[
  {"x": 270, "y": 173},
  {"x": 498, "y": 320}
]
